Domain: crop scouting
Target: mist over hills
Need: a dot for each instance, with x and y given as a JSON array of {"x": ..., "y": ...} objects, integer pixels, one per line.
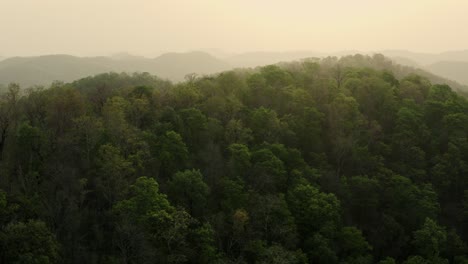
[
  {"x": 452, "y": 67},
  {"x": 428, "y": 58},
  {"x": 253, "y": 59},
  {"x": 454, "y": 70},
  {"x": 43, "y": 70}
]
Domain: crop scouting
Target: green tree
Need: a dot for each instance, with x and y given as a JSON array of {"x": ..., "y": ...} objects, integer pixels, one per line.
[
  {"x": 277, "y": 255},
  {"x": 268, "y": 172},
  {"x": 237, "y": 133},
  {"x": 271, "y": 220},
  {"x": 265, "y": 125},
  {"x": 188, "y": 189},
  {"x": 239, "y": 161},
  {"x": 8, "y": 113},
  {"x": 114, "y": 173},
  {"x": 313, "y": 209},
  {"x": 353, "y": 246},
  {"x": 29, "y": 242},
  {"x": 171, "y": 151},
  {"x": 430, "y": 240}
]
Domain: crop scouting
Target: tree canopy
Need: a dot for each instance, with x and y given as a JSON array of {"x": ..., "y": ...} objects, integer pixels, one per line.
[{"x": 318, "y": 161}]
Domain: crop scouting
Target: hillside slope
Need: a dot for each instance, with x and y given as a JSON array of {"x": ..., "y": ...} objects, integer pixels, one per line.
[
  {"x": 454, "y": 70},
  {"x": 326, "y": 161},
  {"x": 43, "y": 70}
]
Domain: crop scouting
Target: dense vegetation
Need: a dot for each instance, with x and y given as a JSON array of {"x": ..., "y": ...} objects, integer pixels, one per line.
[{"x": 330, "y": 161}]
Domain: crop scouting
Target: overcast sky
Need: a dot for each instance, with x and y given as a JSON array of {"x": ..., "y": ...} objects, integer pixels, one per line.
[{"x": 149, "y": 27}]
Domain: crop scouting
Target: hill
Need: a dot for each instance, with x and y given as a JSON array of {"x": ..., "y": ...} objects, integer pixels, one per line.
[
  {"x": 336, "y": 160},
  {"x": 254, "y": 59},
  {"x": 428, "y": 58},
  {"x": 43, "y": 70},
  {"x": 425, "y": 64},
  {"x": 176, "y": 65},
  {"x": 454, "y": 70}
]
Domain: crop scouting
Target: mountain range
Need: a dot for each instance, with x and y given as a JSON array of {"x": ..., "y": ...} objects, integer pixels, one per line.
[
  {"x": 43, "y": 70},
  {"x": 452, "y": 65}
]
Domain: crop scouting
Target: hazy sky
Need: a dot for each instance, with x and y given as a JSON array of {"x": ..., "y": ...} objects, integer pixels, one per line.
[{"x": 148, "y": 27}]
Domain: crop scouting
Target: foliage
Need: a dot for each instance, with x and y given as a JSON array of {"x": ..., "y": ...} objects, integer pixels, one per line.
[{"x": 319, "y": 161}]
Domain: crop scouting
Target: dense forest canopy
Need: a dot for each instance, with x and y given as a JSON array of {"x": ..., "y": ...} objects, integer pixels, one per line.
[{"x": 319, "y": 161}]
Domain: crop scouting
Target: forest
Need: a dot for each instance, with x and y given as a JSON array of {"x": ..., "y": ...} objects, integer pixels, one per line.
[{"x": 335, "y": 160}]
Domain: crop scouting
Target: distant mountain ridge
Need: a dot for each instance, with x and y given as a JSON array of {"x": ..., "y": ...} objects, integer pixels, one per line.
[
  {"x": 43, "y": 70},
  {"x": 454, "y": 70},
  {"x": 253, "y": 59},
  {"x": 425, "y": 59}
]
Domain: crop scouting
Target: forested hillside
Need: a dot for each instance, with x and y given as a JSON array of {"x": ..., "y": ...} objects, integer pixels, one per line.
[
  {"x": 44, "y": 70},
  {"x": 320, "y": 161}
]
